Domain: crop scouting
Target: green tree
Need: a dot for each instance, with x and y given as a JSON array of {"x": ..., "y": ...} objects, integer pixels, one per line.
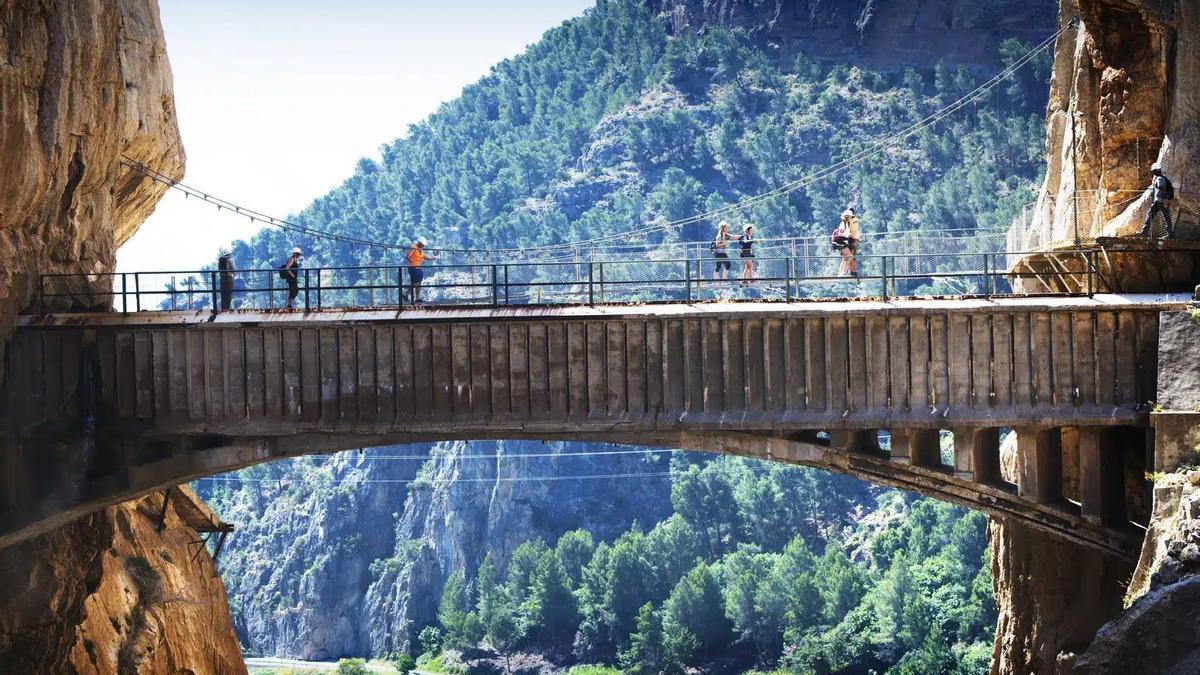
[
  {"x": 645, "y": 653},
  {"x": 504, "y": 634},
  {"x": 352, "y": 667},
  {"x": 695, "y": 607},
  {"x": 551, "y": 607},
  {"x": 574, "y": 550},
  {"x": 841, "y": 583},
  {"x": 462, "y": 628}
]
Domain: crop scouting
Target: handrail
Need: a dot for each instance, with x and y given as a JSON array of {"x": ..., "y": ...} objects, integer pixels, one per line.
[{"x": 689, "y": 279}]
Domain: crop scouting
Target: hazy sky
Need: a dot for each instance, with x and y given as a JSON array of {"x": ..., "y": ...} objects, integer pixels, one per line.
[{"x": 277, "y": 99}]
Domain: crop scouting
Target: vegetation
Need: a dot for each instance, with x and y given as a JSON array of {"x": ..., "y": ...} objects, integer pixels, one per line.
[{"x": 909, "y": 594}]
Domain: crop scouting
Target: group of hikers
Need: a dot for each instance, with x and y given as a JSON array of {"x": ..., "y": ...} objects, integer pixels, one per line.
[{"x": 844, "y": 240}]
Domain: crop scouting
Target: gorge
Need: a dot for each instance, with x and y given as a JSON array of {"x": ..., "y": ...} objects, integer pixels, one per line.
[{"x": 634, "y": 113}]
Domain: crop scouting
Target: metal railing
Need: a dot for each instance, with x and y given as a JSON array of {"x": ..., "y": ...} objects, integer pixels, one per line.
[{"x": 696, "y": 279}]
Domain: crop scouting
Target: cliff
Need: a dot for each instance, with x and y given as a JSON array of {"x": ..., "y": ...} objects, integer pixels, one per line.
[
  {"x": 1125, "y": 94},
  {"x": 346, "y": 555},
  {"x": 84, "y": 83},
  {"x": 112, "y": 593},
  {"x": 886, "y": 36}
]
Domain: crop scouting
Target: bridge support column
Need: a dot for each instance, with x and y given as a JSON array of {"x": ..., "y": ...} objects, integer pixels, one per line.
[
  {"x": 918, "y": 447},
  {"x": 1039, "y": 464},
  {"x": 1101, "y": 486},
  {"x": 858, "y": 440},
  {"x": 977, "y": 455}
]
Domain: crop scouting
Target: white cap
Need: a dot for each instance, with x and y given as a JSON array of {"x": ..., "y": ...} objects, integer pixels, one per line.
[
  {"x": 848, "y": 212},
  {"x": 295, "y": 250},
  {"x": 225, "y": 251},
  {"x": 723, "y": 223},
  {"x": 1156, "y": 167},
  {"x": 421, "y": 241}
]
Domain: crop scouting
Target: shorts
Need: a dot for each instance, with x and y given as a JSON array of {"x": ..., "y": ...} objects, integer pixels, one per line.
[
  {"x": 415, "y": 275},
  {"x": 722, "y": 261},
  {"x": 747, "y": 254}
]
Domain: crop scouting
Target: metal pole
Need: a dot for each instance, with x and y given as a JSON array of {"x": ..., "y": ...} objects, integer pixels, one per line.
[
  {"x": 591, "y": 284},
  {"x": 506, "y": 300},
  {"x": 399, "y": 287},
  {"x": 174, "y": 290},
  {"x": 212, "y": 285},
  {"x": 318, "y": 288},
  {"x": 307, "y": 303},
  {"x": 1075, "y": 176},
  {"x": 124, "y": 298},
  {"x": 495, "y": 286},
  {"x": 371, "y": 286},
  {"x": 884, "y": 275},
  {"x": 986, "y": 277},
  {"x": 42, "y": 293},
  {"x": 137, "y": 291},
  {"x": 601, "y": 282},
  {"x": 687, "y": 278},
  {"x": 1091, "y": 270},
  {"x": 787, "y": 289},
  {"x": 191, "y": 288}
]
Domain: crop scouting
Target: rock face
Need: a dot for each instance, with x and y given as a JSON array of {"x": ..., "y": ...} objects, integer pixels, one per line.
[
  {"x": 882, "y": 35},
  {"x": 84, "y": 83},
  {"x": 1125, "y": 93},
  {"x": 112, "y": 594},
  {"x": 350, "y": 558},
  {"x": 1051, "y": 596}
]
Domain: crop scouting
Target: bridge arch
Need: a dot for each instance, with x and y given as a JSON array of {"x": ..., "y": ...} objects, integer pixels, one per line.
[{"x": 173, "y": 396}]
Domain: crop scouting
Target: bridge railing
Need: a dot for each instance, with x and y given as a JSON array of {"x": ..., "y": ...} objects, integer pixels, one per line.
[{"x": 694, "y": 279}]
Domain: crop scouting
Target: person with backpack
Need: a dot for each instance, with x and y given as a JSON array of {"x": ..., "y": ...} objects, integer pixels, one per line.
[
  {"x": 290, "y": 272},
  {"x": 225, "y": 268},
  {"x": 719, "y": 248},
  {"x": 845, "y": 242},
  {"x": 415, "y": 257},
  {"x": 1162, "y": 193},
  {"x": 746, "y": 241}
]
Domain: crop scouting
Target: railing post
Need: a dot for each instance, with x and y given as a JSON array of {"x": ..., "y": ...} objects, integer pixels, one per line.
[
  {"x": 986, "y": 277},
  {"x": 687, "y": 278},
  {"x": 371, "y": 286},
  {"x": 212, "y": 290},
  {"x": 787, "y": 288},
  {"x": 400, "y": 287},
  {"x": 137, "y": 291},
  {"x": 591, "y": 284},
  {"x": 271, "y": 289},
  {"x": 174, "y": 290},
  {"x": 601, "y": 282},
  {"x": 191, "y": 303},
  {"x": 1090, "y": 259},
  {"x": 124, "y": 298},
  {"x": 318, "y": 288},
  {"x": 507, "y": 301},
  {"x": 495, "y": 286},
  {"x": 307, "y": 301},
  {"x": 883, "y": 262}
]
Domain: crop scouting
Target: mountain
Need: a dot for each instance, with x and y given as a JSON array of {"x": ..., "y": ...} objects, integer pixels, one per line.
[{"x": 629, "y": 117}]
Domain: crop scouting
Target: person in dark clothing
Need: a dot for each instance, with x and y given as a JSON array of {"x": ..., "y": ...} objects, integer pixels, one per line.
[
  {"x": 415, "y": 258},
  {"x": 225, "y": 268},
  {"x": 291, "y": 274},
  {"x": 746, "y": 241},
  {"x": 1162, "y": 193}
]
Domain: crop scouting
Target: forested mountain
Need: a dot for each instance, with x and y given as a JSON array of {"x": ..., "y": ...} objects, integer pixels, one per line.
[
  {"x": 607, "y": 125},
  {"x": 631, "y": 116}
]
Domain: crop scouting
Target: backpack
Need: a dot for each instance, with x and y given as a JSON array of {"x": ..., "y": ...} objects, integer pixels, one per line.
[
  {"x": 838, "y": 238},
  {"x": 283, "y": 271},
  {"x": 1167, "y": 192}
]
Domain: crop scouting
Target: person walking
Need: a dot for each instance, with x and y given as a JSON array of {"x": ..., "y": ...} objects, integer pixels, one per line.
[
  {"x": 746, "y": 241},
  {"x": 719, "y": 247},
  {"x": 415, "y": 257},
  {"x": 290, "y": 272},
  {"x": 1162, "y": 193},
  {"x": 846, "y": 241},
  {"x": 225, "y": 268}
]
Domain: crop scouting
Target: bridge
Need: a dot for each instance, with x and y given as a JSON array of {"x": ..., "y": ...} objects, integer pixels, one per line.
[{"x": 103, "y": 407}]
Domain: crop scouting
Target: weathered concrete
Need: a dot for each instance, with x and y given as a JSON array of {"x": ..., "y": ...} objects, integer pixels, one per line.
[{"x": 165, "y": 397}]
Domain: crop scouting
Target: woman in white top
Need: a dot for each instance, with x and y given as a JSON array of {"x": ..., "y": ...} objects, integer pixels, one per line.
[
  {"x": 718, "y": 246},
  {"x": 849, "y": 235}
]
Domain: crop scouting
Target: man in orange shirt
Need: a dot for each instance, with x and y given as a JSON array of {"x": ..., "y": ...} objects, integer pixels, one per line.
[{"x": 415, "y": 256}]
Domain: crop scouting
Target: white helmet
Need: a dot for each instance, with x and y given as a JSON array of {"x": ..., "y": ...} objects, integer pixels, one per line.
[
  {"x": 225, "y": 252},
  {"x": 295, "y": 250},
  {"x": 1156, "y": 167}
]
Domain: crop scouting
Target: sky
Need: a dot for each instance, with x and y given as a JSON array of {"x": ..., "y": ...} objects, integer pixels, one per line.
[{"x": 278, "y": 99}]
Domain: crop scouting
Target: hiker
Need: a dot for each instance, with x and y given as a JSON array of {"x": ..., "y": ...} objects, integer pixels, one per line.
[
  {"x": 1162, "y": 193},
  {"x": 225, "y": 268},
  {"x": 415, "y": 256},
  {"x": 845, "y": 240},
  {"x": 718, "y": 247},
  {"x": 290, "y": 272},
  {"x": 747, "y": 243}
]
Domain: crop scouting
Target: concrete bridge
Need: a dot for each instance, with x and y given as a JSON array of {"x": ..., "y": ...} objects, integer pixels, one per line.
[{"x": 98, "y": 408}]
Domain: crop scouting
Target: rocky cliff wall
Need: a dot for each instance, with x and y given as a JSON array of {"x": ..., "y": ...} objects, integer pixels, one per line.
[
  {"x": 111, "y": 593},
  {"x": 1125, "y": 93},
  {"x": 879, "y": 35},
  {"x": 83, "y": 83}
]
